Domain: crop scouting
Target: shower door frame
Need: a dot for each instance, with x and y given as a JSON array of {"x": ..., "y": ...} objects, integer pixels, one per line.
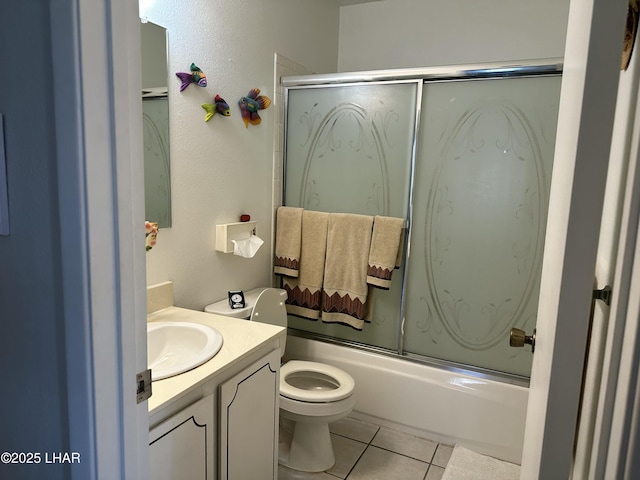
[{"x": 483, "y": 71}]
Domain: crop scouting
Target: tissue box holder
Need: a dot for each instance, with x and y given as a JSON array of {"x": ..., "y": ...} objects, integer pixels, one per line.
[{"x": 227, "y": 232}]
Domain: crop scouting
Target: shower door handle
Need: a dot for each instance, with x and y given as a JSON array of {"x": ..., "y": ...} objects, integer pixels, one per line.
[{"x": 518, "y": 338}]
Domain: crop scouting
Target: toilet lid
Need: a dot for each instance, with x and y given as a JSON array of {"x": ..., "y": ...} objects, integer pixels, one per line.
[
  {"x": 314, "y": 382},
  {"x": 270, "y": 308}
]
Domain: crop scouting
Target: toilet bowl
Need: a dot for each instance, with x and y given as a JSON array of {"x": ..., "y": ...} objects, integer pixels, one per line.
[{"x": 312, "y": 394}]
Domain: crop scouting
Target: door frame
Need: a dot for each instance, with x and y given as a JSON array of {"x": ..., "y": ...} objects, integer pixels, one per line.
[
  {"x": 585, "y": 124},
  {"x": 615, "y": 449},
  {"x": 95, "y": 58}
]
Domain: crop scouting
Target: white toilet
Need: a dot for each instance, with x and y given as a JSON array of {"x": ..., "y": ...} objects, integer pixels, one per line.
[{"x": 312, "y": 394}]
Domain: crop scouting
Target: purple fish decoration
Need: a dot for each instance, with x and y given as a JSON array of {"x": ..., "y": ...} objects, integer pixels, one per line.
[
  {"x": 250, "y": 105},
  {"x": 218, "y": 106},
  {"x": 196, "y": 76}
]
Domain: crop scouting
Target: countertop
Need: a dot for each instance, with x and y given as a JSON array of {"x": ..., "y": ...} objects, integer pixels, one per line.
[{"x": 240, "y": 339}]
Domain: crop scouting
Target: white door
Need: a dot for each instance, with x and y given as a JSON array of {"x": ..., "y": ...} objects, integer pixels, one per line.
[
  {"x": 587, "y": 102},
  {"x": 95, "y": 60}
]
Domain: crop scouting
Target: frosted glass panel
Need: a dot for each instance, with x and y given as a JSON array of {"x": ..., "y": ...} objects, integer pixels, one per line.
[
  {"x": 483, "y": 169},
  {"x": 349, "y": 149}
]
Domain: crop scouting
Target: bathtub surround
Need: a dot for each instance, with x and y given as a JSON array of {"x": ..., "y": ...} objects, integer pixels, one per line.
[{"x": 447, "y": 406}]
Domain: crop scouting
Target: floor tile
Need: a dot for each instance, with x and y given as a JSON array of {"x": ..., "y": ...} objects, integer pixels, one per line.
[
  {"x": 285, "y": 473},
  {"x": 379, "y": 464},
  {"x": 365, "y": 451},
  {"x": 355, "y": 429},
  {"x": 347, "y": 453},
  {"x": 443, "y": 454},
  {"x": 405, "y": 444},
  {"x": 435, "y": 473}
]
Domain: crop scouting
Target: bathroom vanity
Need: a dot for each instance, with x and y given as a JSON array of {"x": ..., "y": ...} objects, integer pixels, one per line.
[{"x": 219, "y": 420}]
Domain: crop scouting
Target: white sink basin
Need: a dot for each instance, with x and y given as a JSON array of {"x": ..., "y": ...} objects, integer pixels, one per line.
[{"x": 175, "y": 347}]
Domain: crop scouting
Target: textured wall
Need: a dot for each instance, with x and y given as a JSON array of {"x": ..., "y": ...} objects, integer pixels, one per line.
[
  {"x": 416, "y": 33},
  {"x": 219, "y": 168}
]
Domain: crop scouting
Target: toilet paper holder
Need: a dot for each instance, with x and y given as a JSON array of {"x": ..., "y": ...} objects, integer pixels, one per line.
[{"x": 227, "y": 232}]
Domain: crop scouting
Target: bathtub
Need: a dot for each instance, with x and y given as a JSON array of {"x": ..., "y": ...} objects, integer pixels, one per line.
[{"x": 450, "y": 407}]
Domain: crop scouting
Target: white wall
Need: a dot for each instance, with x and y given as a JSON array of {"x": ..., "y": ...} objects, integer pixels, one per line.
[
  {"x": 417, "y": 33},
  {"x": 220, "y": 169}
]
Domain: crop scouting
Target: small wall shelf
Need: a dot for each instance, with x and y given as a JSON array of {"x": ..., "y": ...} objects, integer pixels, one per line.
[{"x": 227, "y": 232}]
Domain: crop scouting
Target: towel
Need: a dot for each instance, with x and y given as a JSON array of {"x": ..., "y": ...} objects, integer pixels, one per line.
[
  {"x": 400, "y": 257},
  {"x": 304, "y": 292},
  {"x": 344, "y": 290},
  {"x": 384, "y": 254},
  {"x": 288, "y": 238},
  {"x": 466, "y": 464}
]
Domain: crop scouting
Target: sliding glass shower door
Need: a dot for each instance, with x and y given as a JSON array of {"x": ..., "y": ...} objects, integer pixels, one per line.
[
  {"x": 349, "y": 150},
  {"x": 483, "y": 171},
  {"x": 467, "y": 161}
]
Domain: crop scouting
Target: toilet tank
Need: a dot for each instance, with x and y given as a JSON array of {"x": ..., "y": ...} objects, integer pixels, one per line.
[
  {"x": 271, "y": 309},
  {"x": 222, "y": 307}
]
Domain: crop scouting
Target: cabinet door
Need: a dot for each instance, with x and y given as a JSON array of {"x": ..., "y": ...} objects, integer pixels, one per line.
[
  {"x": 249, "y": 422},
  {"x": 184, "y": 445}
]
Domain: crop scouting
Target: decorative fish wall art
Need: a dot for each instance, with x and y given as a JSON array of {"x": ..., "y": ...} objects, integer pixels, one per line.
[
  {"x": 250, "y": 105},
  {"x": 218, "y": 106},
  {"x": 196, "y": 76}
]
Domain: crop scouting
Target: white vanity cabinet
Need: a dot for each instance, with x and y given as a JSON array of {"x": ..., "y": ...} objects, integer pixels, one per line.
[
  {"x": 249, "y": 422},
  {"x": 229, "y": 432},
  {"x": 219, "y": 420},
  {"x": 184, "y": 445}
]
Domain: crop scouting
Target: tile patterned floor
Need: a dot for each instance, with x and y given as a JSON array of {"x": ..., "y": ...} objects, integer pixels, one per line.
[{"x": 368, "y": 452}]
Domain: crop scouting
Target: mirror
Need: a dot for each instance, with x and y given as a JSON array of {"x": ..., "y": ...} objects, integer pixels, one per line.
[{"x": 155, "y": 124}]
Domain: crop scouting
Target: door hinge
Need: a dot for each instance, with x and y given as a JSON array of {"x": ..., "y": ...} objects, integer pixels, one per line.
[
  {"x": 143, "y": 385},
  {"x": 603, "y": 294}
]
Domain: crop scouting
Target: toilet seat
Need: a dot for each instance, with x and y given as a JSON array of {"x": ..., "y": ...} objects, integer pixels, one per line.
[{"x": 343, "y": 381}]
